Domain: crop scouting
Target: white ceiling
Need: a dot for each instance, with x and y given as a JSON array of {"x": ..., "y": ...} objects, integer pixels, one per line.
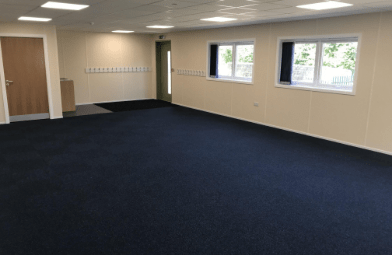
[{"x": 108, "y": 15}]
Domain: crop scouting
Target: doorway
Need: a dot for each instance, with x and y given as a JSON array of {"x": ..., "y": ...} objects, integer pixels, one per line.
[
  {"x": 164, "y": 71},
  {"x": 25, "y": 77}
]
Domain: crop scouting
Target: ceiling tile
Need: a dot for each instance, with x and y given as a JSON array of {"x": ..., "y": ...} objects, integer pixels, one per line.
[
  {"x": 14, "y": 9},
  {"x": 136, "y": 14},
  {"x": 206, "y": 7},
  {"x": 8, "y": 17},
  {"x": 199, "y": 1},
  {"x": 237, "y": 11},
  {"x": 175, "y": 4},
  {"x": 182, "y": 12},
  {"x": 269, "y": 6},
  {"x": 383, "y": 4},
  {"x": 24, "y": 2}
]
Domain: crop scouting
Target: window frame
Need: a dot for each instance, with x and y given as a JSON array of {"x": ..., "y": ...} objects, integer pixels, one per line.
[
  {"x": 234, "y": 43},
  {"x": 319, "y": 40}
]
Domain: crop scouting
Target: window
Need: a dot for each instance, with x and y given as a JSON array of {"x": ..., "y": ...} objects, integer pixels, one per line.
[
  {"x": 327, "y": 64},
  {"x": 169, "y": 83},
  {"x": 231, "y": 61}
]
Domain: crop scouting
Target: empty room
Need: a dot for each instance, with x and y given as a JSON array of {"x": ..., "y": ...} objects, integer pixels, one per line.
[{"x": 195, "y": 127}]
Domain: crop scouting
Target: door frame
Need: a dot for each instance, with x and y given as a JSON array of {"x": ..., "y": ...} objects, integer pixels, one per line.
[
  {"x": 2, "y": 75},
  {"x": 156, "y": 65}
]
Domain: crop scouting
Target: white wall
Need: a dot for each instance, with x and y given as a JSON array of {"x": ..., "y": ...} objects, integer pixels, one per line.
[
  {"x": 363, "y": 120},
  {"x": 78, "y": 50}
]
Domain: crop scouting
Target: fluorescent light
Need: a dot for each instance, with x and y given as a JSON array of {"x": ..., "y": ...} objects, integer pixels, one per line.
[
  {"x": 64, "y": 6},
  {"x": 35, "y": 19},
  {"x": 122, "y": 31},
  {"x": 219, "y": 19},
  {"x": 324, "y": 5},
  {"x": 159, "y": 26}
]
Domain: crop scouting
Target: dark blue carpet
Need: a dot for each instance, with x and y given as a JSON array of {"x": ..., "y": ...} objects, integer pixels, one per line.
[{"x": 178, "y": 181}]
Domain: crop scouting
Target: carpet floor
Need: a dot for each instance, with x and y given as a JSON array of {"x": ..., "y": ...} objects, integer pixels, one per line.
[{"x": 173, "y": 180}]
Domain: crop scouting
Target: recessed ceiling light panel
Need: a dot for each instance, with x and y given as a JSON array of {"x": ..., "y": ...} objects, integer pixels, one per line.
[
  {"x": 35, "y": 19},
  {"x": 122, "y": 31},
  {"x": 64, "y": 6},
  {"x": 159, "y": 26},
  {"x": 219, "y": 19},
  {"x": 324, "y": 5}
]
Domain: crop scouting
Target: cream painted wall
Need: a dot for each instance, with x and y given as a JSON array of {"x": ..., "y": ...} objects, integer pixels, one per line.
[
  {"x": 78, "y": 50},
  {"x": 50, "y": 32},
  {"x": 363, "y": 120}
]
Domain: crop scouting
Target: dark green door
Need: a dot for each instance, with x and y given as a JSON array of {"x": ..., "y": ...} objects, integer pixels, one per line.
[{"x": 164, "y": 86}]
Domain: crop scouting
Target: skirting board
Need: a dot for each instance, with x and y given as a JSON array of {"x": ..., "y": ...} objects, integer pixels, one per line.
[
  {"x": 294, "y": 131},
  {"x": 114, "y": 101}
]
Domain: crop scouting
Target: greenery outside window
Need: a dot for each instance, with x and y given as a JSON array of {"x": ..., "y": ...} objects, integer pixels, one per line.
[
  {"x": 234, "y": 61},
  {"x": 321, "y": 64}
]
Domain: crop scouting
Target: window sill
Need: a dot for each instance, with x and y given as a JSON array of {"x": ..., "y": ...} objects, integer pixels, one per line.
[
  {"x": 230, "y": 80},
  {"x": 325, "y": 90}
]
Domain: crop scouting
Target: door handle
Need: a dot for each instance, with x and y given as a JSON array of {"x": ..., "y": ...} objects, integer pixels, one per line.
[{"x": 8, "y": 83}]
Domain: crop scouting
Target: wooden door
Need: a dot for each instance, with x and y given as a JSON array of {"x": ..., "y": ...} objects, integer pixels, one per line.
[
  {"x": 164, "y": 71},
  {"x": 24, "y": 65}
]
